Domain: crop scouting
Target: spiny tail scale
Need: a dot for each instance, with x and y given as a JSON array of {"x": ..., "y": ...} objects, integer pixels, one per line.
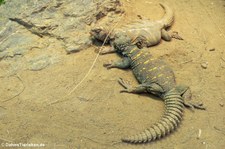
[{"x": 168, "y": 123}]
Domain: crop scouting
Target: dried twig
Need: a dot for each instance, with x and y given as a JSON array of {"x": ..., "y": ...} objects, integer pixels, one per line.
[
  {"x": 223, "y": 59},
  {"x": 220, "y": 130},
  {"x": 90, "y": 69},
  {"x": 19, "y": 92},
  {"x": 199, "y": 133}
]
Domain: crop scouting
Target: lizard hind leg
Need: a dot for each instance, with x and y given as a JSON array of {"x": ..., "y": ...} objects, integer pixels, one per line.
[
  {"x": 185, "y": 93},
  {"x": 168, "y": 36},
  {"x": 165, "y": 35}
]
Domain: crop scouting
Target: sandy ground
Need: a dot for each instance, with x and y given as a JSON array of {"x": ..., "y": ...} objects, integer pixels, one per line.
[{"x": 96, "y": 115}]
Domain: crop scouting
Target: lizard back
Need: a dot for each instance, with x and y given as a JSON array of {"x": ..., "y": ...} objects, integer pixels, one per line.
[{"x": 148, "y": 69}]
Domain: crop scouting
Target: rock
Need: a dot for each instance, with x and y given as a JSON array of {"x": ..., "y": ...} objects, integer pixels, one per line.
[
  {"x": 39, "y": 63},
  {"x": 76, "y": 48},
  {"x": 221, "y": 104},
  {"x": 30, "y": 34},
  {"x": 54, "y": 19},
  {"x": 3, "y": 55},
  {"x": 73, "y": 49},
  {"x": 210, "y": 48},
  {"x": 81, "y": 42},
  {"x": 204, "y": 65},
  {"x": 16, "y": 44}
]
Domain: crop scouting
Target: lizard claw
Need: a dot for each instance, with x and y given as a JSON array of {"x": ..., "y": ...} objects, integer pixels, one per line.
[
  {"x": 103, "y": 51},
  {"x": 108, "y": 65},
  {"x": 194, "y": 105},
  {"x": 124, "y": 91},
  {"x": 176, "y": 35},
  {"x": 124, "y": 83},
  {"x": 107, "y": 50}
]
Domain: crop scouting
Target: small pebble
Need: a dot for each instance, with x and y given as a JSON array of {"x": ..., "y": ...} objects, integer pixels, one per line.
[
  {"x": 204, "y": 65},
  {"x": 212, "y": 49},
  {"x": 39, "y": 63},
  {"x": 221, "y": 104},
  {"x": 74, "y": 49},
  {"x": 199, "y": 133},
  {"x": 217, "y": 76}
]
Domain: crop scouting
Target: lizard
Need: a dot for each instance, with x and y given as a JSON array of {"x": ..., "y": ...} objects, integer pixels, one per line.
[
  {"x": 157, "y": 78},
  {"x": 143, "y": 33}
]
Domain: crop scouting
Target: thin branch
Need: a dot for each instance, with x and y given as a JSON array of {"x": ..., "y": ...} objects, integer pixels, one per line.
[
  {"x": 19, "y": 92},
  {"x": 90, "y": 69}
]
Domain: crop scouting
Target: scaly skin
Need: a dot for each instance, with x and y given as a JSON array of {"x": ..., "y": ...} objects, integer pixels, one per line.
[
  {"x": 143, "y": 33},
  {"x": 155, "y": 77}
]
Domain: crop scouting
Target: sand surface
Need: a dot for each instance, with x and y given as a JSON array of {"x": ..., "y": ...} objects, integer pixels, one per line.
[{"x": 94, "y": 113}]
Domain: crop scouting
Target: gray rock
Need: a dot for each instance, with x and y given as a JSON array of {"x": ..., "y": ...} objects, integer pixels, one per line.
[
  {"x": 72, "y": 49},
  {"x": 28, "y": 28},
  {"x": 204, "y": 65},
  {"x": 16, "y": 44},
  {"x": 39, "y": 63}
]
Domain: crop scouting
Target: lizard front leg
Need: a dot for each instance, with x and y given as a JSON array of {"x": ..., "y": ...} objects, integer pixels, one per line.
[
  {"x": 122, "y": 64},
  {"x": 141, "y": 88},
  {"x": 129, "y": 89}
]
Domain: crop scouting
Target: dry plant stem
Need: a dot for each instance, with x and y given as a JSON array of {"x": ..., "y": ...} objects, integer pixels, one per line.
[
  {"x": 90, "y": 69},
  {"x": 17, "y": 93},
  {"x": 223, "y": 59},
  {"x": 220, "y": 130}
]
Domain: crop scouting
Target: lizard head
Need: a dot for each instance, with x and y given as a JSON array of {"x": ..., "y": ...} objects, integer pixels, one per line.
[
  {"x": 100, "y": 34},
  {"x": 122, "y": 43}
]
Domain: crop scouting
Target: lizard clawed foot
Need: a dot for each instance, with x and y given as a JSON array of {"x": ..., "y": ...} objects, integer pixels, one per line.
[
  {"x": 176, "y": 35},
  {"x": 103, "y": 51},
  {"x": 107, "y": 50},
  {"x": 125, "y": 84},
  {"x": 194, "y": 105},
  {"x": 108, "y": 65}
]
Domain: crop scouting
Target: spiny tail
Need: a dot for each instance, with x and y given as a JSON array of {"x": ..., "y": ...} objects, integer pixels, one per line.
[
  {"x": 168, "y": 18},
  {"x": 168, "y": 123}
]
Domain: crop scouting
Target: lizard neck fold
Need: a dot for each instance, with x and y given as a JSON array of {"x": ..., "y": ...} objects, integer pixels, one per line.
[{"x": 132, "y": 51}]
